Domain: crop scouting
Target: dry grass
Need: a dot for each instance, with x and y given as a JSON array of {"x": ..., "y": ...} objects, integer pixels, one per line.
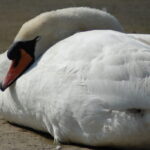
[{"x": 133, "y": 14}]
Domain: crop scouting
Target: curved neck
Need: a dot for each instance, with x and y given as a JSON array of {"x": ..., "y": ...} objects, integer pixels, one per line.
[{"x": 57, "y": 25}]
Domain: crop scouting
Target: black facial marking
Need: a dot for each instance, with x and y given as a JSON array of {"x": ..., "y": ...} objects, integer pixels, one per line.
[
  {"x": 14, "y": 51},
  {"x": 29, "y": 46}
]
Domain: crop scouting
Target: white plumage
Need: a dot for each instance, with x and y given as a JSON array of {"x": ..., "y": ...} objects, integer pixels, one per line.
[{"x": 91, "y": 88}]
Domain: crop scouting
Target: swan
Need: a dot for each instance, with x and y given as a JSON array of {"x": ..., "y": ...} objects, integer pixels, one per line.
[{"x": 90, "y": 87}]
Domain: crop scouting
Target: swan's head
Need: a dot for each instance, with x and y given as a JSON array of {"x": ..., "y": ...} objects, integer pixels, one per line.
[
  {"x": 21, "y": 54},
  {"x": 41, "y": 32}
]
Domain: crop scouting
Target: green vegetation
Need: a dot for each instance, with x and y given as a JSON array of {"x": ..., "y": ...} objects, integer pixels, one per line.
[{"x": 134, "y": 15}]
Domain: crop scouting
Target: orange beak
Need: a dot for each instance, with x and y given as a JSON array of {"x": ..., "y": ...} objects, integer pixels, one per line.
[{"x": 16, "y": 70}]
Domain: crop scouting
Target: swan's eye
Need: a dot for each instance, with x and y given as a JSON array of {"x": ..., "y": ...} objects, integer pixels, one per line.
[{"x": 14, "y": 52}]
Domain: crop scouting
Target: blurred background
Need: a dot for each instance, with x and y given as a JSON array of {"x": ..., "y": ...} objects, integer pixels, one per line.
[{"x": 134, "y": 15}]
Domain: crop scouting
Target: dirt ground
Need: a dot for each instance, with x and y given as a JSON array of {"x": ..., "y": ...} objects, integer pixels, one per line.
[
  {"x": 18, "y": 138},
  {"x": 13, "y": 137},
  {"x": 133, "y": 14}
]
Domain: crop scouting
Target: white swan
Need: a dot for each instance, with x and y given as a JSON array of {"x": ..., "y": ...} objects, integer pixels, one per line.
[{"x": 91, "y": 88}]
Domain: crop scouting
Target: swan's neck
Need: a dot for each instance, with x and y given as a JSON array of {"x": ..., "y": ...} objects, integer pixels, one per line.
[{"x": 57, "y": 25}]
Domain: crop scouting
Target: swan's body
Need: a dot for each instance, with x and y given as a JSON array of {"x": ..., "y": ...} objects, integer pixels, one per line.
[
  {"x": 88, "y": 94},
  {"x": 92, "y": 88}
]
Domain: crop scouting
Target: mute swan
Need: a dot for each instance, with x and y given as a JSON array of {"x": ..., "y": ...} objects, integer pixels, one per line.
[{"x": 90, "y": 88}]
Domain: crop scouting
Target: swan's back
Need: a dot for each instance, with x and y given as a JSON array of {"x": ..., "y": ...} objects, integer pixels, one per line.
[
  {"x": 107, "y": 63},
  {"x": 142, "y": 37}
]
